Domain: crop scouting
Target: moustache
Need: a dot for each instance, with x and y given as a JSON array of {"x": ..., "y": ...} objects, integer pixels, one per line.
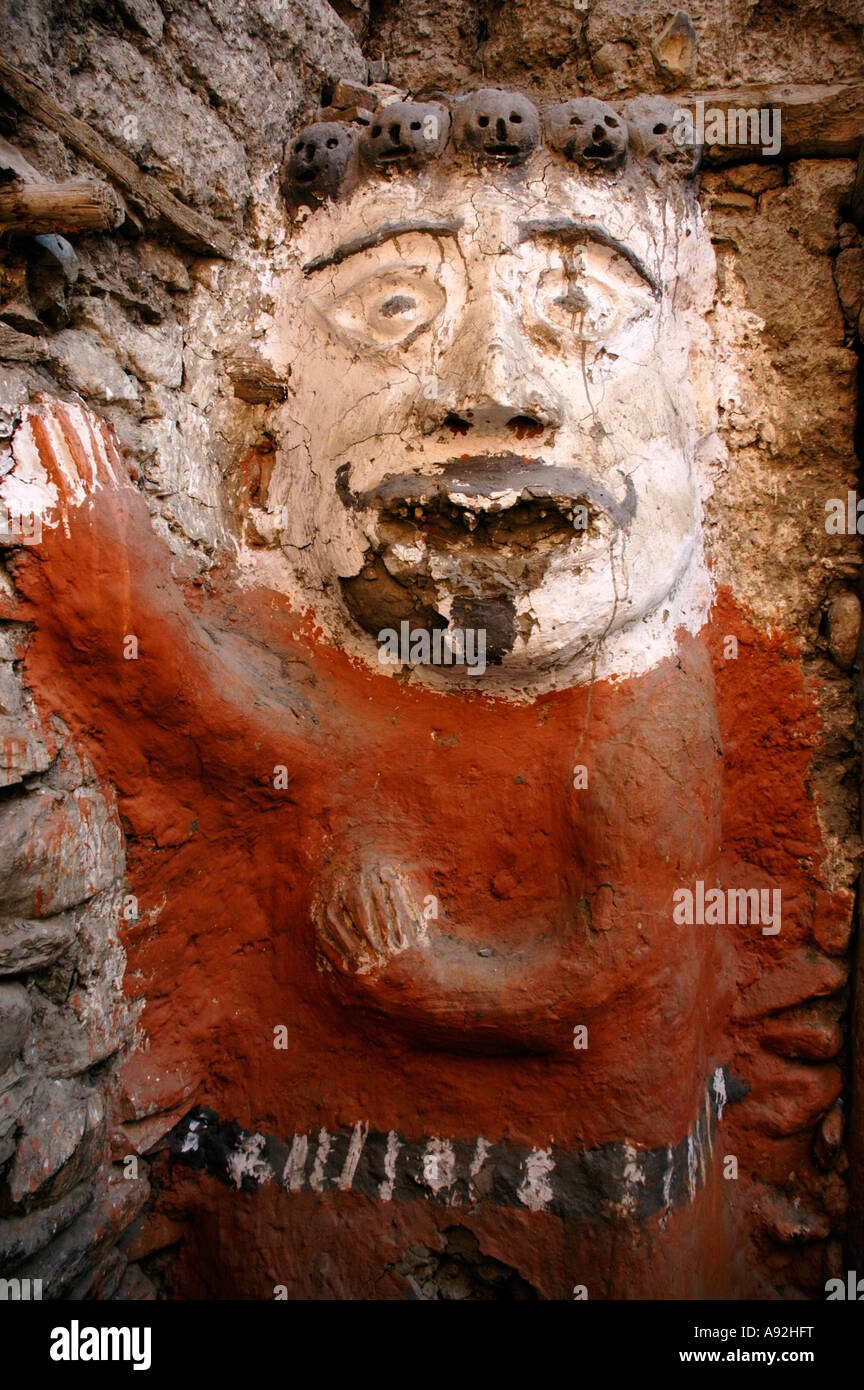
[{"x": 483, "y": 476}]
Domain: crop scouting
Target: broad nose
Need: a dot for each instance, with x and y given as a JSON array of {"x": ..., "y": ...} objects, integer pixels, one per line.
[
  {"x": 489, "y": 375},
  {"x": 502, "y": 391}
]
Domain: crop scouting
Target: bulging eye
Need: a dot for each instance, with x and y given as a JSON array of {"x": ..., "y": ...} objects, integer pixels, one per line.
[
  {"x": 386, "y": 310},
  {"x": 575, "y": 305},
  {"x": 589, "y": 297}
]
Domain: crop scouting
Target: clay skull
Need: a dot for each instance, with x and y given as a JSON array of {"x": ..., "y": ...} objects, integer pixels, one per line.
[
  {"x": 405, "y": 134},
  {"x": 321, "y": 163},
  {"x": 657, "y": 135},
  {"x": 502, "y": 126},
  {"x": 589, "y": 132}
]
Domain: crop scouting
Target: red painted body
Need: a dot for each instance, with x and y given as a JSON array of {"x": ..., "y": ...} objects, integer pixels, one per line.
[{"x": 697, "y": 770}]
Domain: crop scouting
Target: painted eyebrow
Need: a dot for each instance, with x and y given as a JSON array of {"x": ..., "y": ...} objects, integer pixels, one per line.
[
  {"x": 564, "y": 229},
  {"x": 378, "y": 238}
]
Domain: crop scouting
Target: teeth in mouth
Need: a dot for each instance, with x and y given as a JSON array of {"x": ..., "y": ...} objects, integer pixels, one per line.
[
  {"x": 503, "y": 518},
  {"x": 441, "y": 522}
]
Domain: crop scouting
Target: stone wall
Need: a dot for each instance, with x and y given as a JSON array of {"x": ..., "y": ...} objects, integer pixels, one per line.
[{"x": 156, "y": 328}]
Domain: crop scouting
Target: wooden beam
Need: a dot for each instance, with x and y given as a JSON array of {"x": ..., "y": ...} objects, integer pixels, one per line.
[
  {"x": 193, "y": 229},
  {"x": 85, "y": 205},
  {"x": 817, "y": 120},
  {"x": 255, "y": 381}
]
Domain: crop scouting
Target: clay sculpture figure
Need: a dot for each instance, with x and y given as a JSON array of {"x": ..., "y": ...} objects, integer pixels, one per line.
[{"x": 453, "y": 883}]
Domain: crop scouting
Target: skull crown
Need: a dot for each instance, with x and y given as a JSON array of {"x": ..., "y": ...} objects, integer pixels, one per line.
[{"x": 491, "y": 127}]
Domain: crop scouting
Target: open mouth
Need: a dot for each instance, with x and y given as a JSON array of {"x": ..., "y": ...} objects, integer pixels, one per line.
[
  {"x": 500, "y": 149},
  {"x": 529, "y": 524},
  {"x": 470, "y": 540},
  {"x": 498, "y": 502},
  {"x": 601, "y": 153},
  {"x": 396, "y": 152}
]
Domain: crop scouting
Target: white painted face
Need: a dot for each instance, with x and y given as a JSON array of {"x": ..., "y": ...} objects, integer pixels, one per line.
[{"x": 493, "y": 419}]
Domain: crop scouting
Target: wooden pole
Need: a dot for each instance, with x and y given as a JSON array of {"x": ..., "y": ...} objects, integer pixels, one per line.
[
  {"x": 191, "y": 228},
  {"x": 85, "y": 205}
]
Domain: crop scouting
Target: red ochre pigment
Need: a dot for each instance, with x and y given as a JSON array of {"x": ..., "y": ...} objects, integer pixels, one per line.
[{"x": 697, "y": 770}]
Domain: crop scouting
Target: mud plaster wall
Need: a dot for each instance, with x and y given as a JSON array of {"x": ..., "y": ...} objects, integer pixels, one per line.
[{"x": 118, "y": 1017}]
